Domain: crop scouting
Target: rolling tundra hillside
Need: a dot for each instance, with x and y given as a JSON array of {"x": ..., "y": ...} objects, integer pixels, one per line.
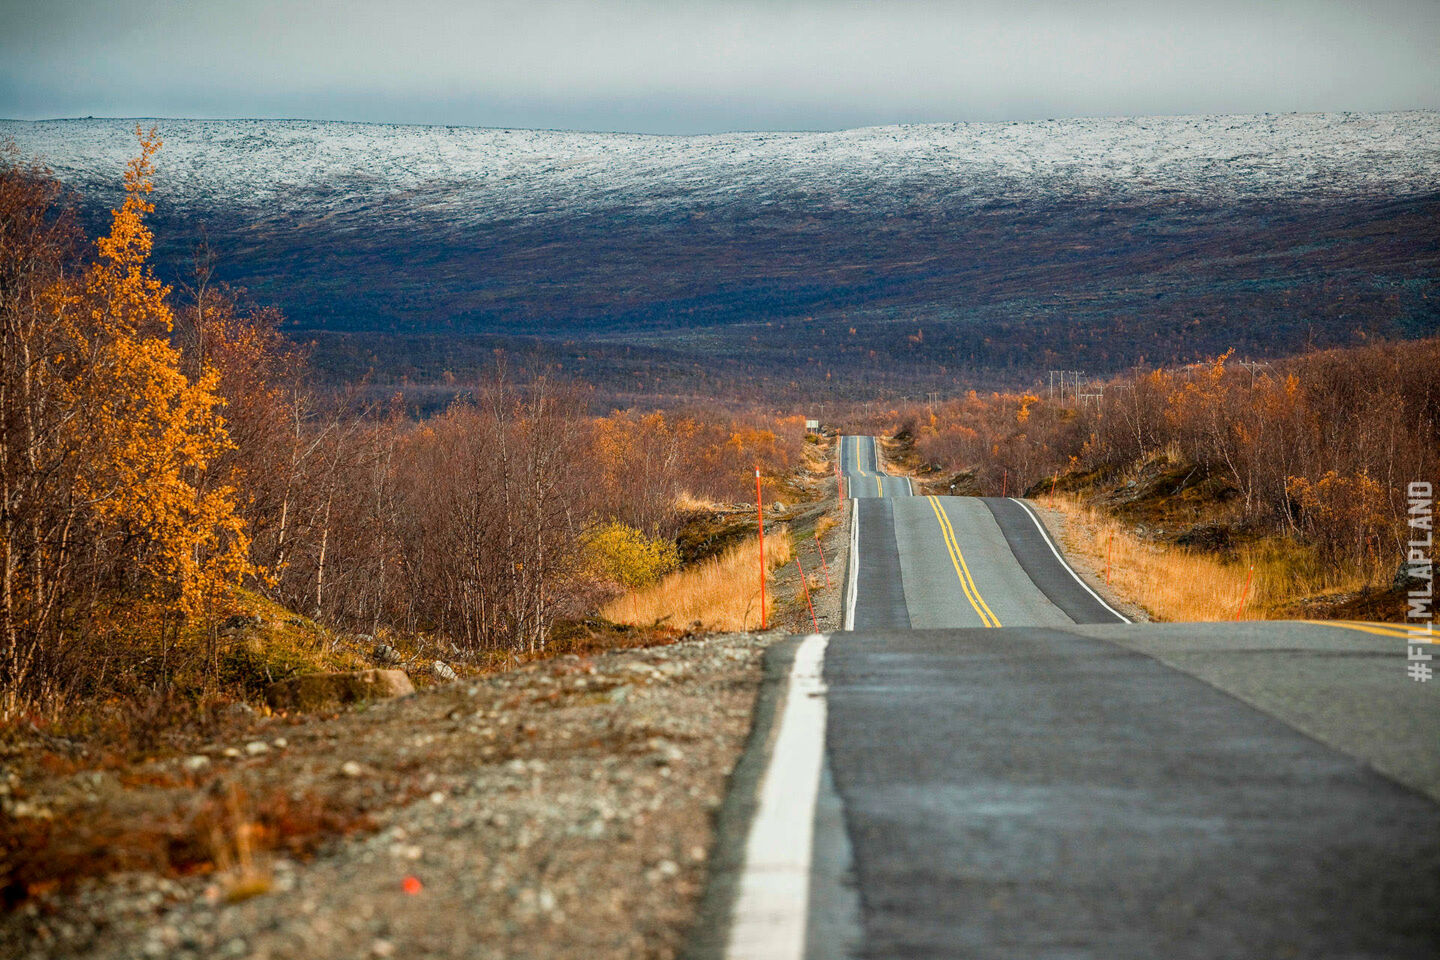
[{"x": 891, "y": 258}]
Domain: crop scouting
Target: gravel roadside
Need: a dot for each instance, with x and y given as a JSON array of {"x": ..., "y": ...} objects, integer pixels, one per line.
[{"x": 565, "y": 809}]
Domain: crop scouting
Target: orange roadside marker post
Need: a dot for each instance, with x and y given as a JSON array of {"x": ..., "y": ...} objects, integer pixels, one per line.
[
  {"x": 823, "y": 565},
  {"x": 1005, "y": 484},
  {"x": 1109, "y": 552},
  {"x": 760, "y": 515},
  {"x": 1246, "y": 594},
  {"x": 806, "y": 587}
]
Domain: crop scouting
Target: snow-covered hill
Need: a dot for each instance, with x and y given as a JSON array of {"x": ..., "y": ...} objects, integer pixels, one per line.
[
  {"x": 305, "y": 167},
  {"x": 900, "y": 255}
]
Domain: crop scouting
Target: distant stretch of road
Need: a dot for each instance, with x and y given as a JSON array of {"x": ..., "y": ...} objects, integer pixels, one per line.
[
  {"x": 992, "y": 762},
  {"x": 914, "y": 572}
]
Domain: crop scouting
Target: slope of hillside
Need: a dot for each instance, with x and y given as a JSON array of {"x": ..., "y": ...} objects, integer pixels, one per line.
[{"x": 990, "y": 250}]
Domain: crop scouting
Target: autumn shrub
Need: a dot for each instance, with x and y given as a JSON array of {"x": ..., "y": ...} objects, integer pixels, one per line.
[
  {"x": 1336, "y": 511},
  {"x": 625, "y": 556}
]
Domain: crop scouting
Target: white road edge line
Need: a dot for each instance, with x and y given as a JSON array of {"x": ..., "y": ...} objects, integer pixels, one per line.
[
  {"x": 772, "y": 909},
  {"x": 854, "y": 562},
  {"x": 1053, "y": 549}
]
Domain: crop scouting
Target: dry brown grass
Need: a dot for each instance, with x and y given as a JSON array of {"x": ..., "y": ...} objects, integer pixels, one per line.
[
  {"x": 1184, "y": 585},
  {"x": 243, "y": 873},
  {"x": 721, "y": 594},
  {"x": 687, "y": 502},
  {"x": 172, "y": 825}
]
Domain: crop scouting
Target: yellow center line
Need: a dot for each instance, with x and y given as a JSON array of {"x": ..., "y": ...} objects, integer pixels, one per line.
[
  {"x": 1396, "y": 630},
  {"x": 954, "y": 541},
  {"x": 962, "y": 569},
  {"x": 879, "y": 484}
]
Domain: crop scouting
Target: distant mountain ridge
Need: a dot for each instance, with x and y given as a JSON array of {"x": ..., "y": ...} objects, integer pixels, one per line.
[{"x": 986, "y": 251}]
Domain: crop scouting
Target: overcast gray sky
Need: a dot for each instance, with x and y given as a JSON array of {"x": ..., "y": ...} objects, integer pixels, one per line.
[{"x": 680, "y": 66}]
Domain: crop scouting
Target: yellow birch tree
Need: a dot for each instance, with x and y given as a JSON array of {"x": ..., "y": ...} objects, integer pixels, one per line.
[{"x": 146, "y": 433}]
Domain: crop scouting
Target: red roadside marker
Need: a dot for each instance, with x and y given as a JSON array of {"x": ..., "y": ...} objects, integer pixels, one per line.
[
  {"x": 806, "y": 587},
  {"x": 760, "y": 514},
  {"x": 1246, "y": 594}
]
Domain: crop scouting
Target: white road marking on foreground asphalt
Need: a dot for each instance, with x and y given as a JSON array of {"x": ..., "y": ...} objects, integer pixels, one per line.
[
  {"x": 854, "y": 564},
  {"x": 1051, "y": 543},
  {"x": 774, "y": 899}
]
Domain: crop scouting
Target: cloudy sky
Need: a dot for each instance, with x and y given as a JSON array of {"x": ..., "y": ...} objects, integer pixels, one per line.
[{"x": 681, "y": 66}]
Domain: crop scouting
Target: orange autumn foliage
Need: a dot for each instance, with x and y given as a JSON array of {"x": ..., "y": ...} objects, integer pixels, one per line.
[
  {"x": 143, "y": 432},
  {"x": 111, "y": 476}
]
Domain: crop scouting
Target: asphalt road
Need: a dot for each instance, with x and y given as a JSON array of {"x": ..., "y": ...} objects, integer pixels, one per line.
[
  {"x": 864, "y": 475},
  {"x": 1010, "y": 769}
]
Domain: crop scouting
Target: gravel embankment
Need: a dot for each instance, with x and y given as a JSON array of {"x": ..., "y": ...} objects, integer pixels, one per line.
[{"x": 561, "y": 810}]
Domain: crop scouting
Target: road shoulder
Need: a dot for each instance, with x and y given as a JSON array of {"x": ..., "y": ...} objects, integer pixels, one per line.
[{"x": 1063, "y": 533}]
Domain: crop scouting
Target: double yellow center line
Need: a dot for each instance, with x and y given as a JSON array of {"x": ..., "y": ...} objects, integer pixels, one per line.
[
  {"x": 1399, "y": 631},
  {"x": 962, "y": 570}
]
